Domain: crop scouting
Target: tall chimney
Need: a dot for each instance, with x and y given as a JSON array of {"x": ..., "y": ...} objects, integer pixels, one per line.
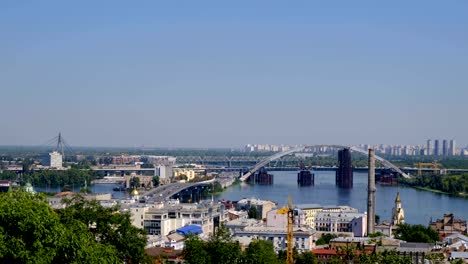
[{"x": 371, "y": 194}]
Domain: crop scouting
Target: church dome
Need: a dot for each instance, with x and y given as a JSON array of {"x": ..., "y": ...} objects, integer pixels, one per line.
[{"x": 134, "y": 192}]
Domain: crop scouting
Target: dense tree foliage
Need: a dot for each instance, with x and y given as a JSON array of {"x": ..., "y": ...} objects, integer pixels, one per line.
[
  {"x": 416, "y": 233},
  {"x": 453, "y": 183},
  {"x": 220, "y": 248},
  {"x": 387, "y": 257},
  {"x": 42, "y": 178},
  {"x": 260, "y": 251},
  {"x": 32, "y": 232},
  {"x": 253, "y": 213},
  {"x": 306, "y": 258},
  {"x": 325, "y": 239}
]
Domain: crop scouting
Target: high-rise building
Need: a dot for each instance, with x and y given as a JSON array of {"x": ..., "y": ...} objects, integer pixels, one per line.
[
  {"x": 436, "y": 148},
  {"x": 344, "y": 173},
  {"x": 453, "y": 148},
  {"x": 429, "y": 147},
  {"x": 445, "y": 147},
  {"x": 53, "y": 160}
]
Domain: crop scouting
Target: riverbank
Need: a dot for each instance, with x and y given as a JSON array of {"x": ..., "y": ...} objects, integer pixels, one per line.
[{"x": 463, "y": 195}]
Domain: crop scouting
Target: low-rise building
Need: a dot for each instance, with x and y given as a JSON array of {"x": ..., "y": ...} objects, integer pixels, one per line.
[
  {"x": 304, "y": 238},
  {"x": 338, "y": 222},
  {"x": 311, "y": 210},
  {"x": 189, "y": 173},
  {"x": 161, "y": 219},
  {"x": 175, "y": 241},
  {"x": 449, "y": 225},
  {"x": 262, "y": 206},
  {"x": 274, "y": 219}
]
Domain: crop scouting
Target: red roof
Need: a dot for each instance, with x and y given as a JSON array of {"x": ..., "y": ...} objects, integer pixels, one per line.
[{"x": 323, "y": 251}]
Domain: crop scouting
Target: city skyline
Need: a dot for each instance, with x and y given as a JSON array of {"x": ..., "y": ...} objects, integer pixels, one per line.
[{"x": 211, "y": 74}]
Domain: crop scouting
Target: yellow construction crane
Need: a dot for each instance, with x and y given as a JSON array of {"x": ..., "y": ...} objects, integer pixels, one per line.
[
  {"x": 289, "y": 236},
  {"x": 433, "y": 164}
]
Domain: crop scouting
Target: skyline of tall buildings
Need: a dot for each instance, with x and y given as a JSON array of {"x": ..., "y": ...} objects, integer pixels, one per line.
[{"x": 432, "y": 147}]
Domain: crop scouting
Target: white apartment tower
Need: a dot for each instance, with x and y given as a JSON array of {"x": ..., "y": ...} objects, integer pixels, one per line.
[
  {"x": 54, "y": 160},
  {"x": 453, "y": 148},
  {"x": 429, "y": 147}
]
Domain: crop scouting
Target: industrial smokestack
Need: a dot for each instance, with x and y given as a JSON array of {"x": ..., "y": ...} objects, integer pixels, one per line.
[{"x": 371, "y": 194}]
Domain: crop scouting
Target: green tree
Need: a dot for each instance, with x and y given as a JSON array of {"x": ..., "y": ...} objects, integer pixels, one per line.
[
  {"x": 135, "y": 182},
  {"x": 31, "y": 232},
  {"x": 156, "y": 181},
  {"x": 195, "y": 251},
  {"x": 253, "y": 212},
  {"x": 325, "y": 239},
  {"x": 390, "y": 257},
  {"x": 222, "y": 248},
  {"x": 108, "y": 226},
  {"x": 260, "y": 251},
  {"x": 457, "y": 261},
  {"x": 306, "y": 258},
  {"x": 416, "y": 233}
]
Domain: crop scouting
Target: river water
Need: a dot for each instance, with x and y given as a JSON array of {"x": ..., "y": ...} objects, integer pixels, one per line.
[{"x": 419, "y": 206}]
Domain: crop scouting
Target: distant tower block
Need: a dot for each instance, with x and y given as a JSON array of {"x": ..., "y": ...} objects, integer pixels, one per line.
[
  {"x": 344, "y": 173},
  {"x": 371, "y": 193}
]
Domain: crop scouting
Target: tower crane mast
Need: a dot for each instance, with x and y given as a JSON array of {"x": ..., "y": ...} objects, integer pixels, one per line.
[{"x": 289, "y": 234}]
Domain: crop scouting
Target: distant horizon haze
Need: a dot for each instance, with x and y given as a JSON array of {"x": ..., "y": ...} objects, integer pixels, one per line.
[{"x": 224, "y": 74}]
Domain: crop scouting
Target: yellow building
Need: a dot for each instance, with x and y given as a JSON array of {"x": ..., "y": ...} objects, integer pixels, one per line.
[{"x": 190, "y": 173}]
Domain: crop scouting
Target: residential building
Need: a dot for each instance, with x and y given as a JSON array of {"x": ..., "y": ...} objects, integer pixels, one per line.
[
  {"x": 437, "y": 151},
  {"x": 449, "y": 225},
  {"x": 53, "y": 160},
  {"x": 175, "y": 241},
  {"x": 311, "y": 210},
  {"x": 341, "y": 222},
  {"x": 274, "y": 219},
  {"x": 453, "y": 148},
  {"x": 429, "y": 147},
  {"x": 189, "y": 173},
  {"x": 161, "y": 219},
  {"x": 445, "y": 148},
  {"x": 262, "y": 206},
  {"x": 165, "y": 173},
  {"x": 304, "y": 239}
]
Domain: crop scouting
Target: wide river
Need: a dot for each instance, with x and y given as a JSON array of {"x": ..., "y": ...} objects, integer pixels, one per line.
[{"x": 419, "y": 206}]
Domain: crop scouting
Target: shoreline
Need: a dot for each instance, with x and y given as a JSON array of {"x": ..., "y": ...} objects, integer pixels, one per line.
[{"x": 461, "y": 195}]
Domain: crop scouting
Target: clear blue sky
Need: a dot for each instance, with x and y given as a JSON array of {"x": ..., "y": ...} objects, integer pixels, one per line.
[{"x": 227, "y": 73}]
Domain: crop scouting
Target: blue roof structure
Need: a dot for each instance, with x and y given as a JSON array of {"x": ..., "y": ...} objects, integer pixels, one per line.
[{"x": 190, "y": 229}]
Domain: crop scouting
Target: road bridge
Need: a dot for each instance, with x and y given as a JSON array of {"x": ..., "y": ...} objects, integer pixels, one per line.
[
  {"x": 164, "y": 192},
  {"x": 276, "y": 156}
]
